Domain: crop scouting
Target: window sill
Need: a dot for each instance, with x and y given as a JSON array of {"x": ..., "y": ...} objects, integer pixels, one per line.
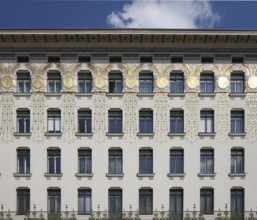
[
  {"x": 119, "y": 94},
  {"x": 83, "y": 94},
  {"x": 53, "y": 94},
  {"x": 211, "y": 134},
  {"x": 176, "y": 134},
  {"x": 84, "y": 174},
  {"x": 242, "y": 95},
  {"x": 145, "y": 134},
  {"x": 237, "y": 174},
  {"x": 206, "y": 174},
  {"x": 237, "y": 134},
  {"x": 22, "y": 174},
  {"x": 176, "y": 175},
  {"x": 21, "y": 134},
  {"x": 27, "y": 94},
  {"x": 53, "y": 134},
  {"x": 114, "y": 174},
  {"x": 145, "y": 94},
  {"x": 53, "y": 174},
  {"x": 83, "y": 134},
  {"x": 206, "y": 94},
  {"x": 176, "y": 94},
  {"x": 145, "y": 174},
  {"x": 114, "y": 134}
]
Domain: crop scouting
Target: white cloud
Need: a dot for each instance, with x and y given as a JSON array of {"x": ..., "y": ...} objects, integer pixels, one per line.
[{"x": 164, "y": 14}]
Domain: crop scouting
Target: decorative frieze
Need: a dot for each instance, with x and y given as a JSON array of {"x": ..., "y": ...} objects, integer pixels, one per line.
[{"x": 251, "y": 117}]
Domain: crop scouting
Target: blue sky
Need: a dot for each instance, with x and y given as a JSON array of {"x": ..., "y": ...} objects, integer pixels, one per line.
[{"x": 128, "y": 14}]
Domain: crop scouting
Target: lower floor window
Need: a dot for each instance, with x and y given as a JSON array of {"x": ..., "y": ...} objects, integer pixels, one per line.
[
  {"x": 115, "y": 203},
  {"x": 176, "y": 201},
  {"x": 54, "y": 201},
  {"x": 145, "y": 201},
  {"x": 206, "y": 201},
  {"x": 84, "y": 201},
  {"x": 23, "y": 201},
  {"x": 237, "y": 202}
]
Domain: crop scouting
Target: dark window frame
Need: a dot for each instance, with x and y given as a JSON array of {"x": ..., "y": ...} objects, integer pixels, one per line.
[
  {"x": 145, "y": 118},
  {"x": 237, "y": 161},
  {"x": 55, "y": 116},
  {"x": 115, "y": 157},
  {"x": 237, "y": 120},
  {"x": 145, "y": 161},
  {"x": 115, "y": 82},
  {"x": 84, "y": 121},
  {"x": 115, "y": 118},
  {"x": 207, "y": 83},
  {"x": 85, "y": 158},
  {"x": 23, "y": 121},
  {"x": 237, "y": 83},
  {"x": 145, "y": 201},
  {"x": 207, "y": 161},
  {"x": 85, "y": 194},
  {"x": 177, "y": 159},
  {"x": 208, "y": 196},
  {"x": 207, "y": 116},
  {"x": 146, "y": 83},
  {"x": 23, "y": 161},
  {"x": 177, "y": 83},
  {"x": 177, "y": 118},
  {"x": 54, "y": 82},
  {"x": 23, "y": 82},
  {"x": 54, "y": 167},
  {"x": 85, "y": 84},
  {"x": 23, "y": 201}
]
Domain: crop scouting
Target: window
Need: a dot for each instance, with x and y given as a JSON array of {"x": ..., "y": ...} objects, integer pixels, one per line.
[
  {"x": 84, "y": 201},
  {"x": 23, "y": 82},
  {"x": 176, "y": 202},
  {"x": 237, "y": 83},
  {"x": 145, "y": 161},
  {"x": 115, "y": 59},
  {"x": 207, "y": 122},
  {"x": 207, "y": 60},
  {"x": 115, "y": 161},
  {"x": 22, "y": 59},
  {"x": 237, "y": 59},
  {"x": 54, "y": 201},
  {"x": 237, "y": 203},
  {"x": 115, "y": 203},
  {"x": 84, "y": 59},
  {"x": 146, "y": 59},
  {"x": 145, "y": 201},
  {"x": 53, "y": 59},
  {"x": 207, "y": 161},
  {"x": 176, "y": 161},
  {"x": 54, "y": 161},
  {"x": 23, "y": 201},
  {"x": 176, "y": 83},
  {"x": 237, "y": 122},
  {"x": 237, "y": 161},
  {"x": 85, "y": 161},
  {"x": 176, "y": 122},
  {"x": 115, "y": 82},
  {"x": 54, "y": 121},
  {"x": 176, "y": 59},
  {"x": 207, "y": 83},
  {"x": 145, "y": 82},
  {"x": 23, "y": 120},
  {"x": 84, "y": 82},
  {"x": 206, "y": 201},
  {"x": 115, "y": 121},
  {"x": 54, "y": 82},
  {"x": 23, "y": 161},
  {"x": 84, "y": 121},
  {"x": 146, "y": 121}
]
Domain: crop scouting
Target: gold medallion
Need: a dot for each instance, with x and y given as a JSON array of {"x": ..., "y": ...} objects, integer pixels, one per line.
[
  {"x": 68, "y": 82},
  {"x": 161, "y": 82},
  {"x": 7, "y": 82},
  {"x": 223, "y": 82},
  {"x": 130, "y": 82},
  {"x": 37, "y": 82},
  {"x": 192, "y": 82},
  {"x": 99, "y": 82},
  {"x": 252, "y": 82}
]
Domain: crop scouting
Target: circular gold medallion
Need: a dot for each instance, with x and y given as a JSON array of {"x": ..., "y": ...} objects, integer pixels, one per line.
[
  {"x": 7, "y": 82},
  {"x": 130, "y": 82},
  {"x": 99, "y": 82},
  {"x": 161, "y": 82},
  {"x": 37, "y": 82},
  {"x": 252, "y": 82},
  {"x": 223, "y": 82},
  {"x": 68, "y": 82},
  {"x": 192, "y": 82}
]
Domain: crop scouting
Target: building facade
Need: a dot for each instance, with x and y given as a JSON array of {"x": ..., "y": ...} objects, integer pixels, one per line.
[{"x": 141, "y": 124}]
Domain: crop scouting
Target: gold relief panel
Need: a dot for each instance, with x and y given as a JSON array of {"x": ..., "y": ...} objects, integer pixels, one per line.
[
  {"x": 7, "y": 82},
  {"x": 223, "y": 82},
  {"x": 192, "y": 82},
  {"x": 162, "y": 82},
  {"x": 99, "y": 82},
  {"x": 131, "y": 82},
  {"x": 68, "y": 82},
  {"x": 252, "y": 82},
  {"x": 38, "y": 82}
]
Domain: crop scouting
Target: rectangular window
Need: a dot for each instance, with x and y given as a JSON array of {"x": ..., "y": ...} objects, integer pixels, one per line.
[
  {"x": 53, "y": 59},
  {"x": 206, "y": 201},
  {"x": 207, "y": 161},
  {"x": 237, "y": 83},
  {"x": 207, "y": 60},
  {"x": 176, "y": 122},
  {"x": 237, "y": 122},
  {"x": 237, "y": 203},
  {"x": 176, "y": 83},
  {"x": 23, "y": 201},
  {"x": 84, "y": 82},
  {"x": 84, "y": 121},
  {"x": 145, "y": 201},
  {"x": 54, "y": 201},
  {"x": 115, "y": 161},
  {"x": 207, "y": 121},
  {"x": 146, "y": 59},
  {"x": 23, "y": 120},
  {"x": 146, "y": 121},
  {"x": 85, "y": 161},
  {"x": 22, "y": 59},
  {"x": 176, "y": 161},
  {"x": 84, "y": 201},
  {"x": 23, "y": 82},
  {"x": 115, "y": 121},
  {"x": 115, "y": 59},
  {"x": 23, "y": 161},
  {"x": 115, "y": 203},
  {"x": 115, "y": 83},
  {"x": 145, "y": 82},
  {"x": 237, "y": 60},
  {"x": 176, "y": 203},
  {"x": 54, "y": 121},
  {"x": 54, "y": 82},
  {"x": 54, "y": 161},
  {"x": 176, "y": 59},
  {"x": 237, "y": 161},
  {"x": 84, "y": 59},
  {"x": 145, "y": 161},
  {"x": 207, "y": 83}
]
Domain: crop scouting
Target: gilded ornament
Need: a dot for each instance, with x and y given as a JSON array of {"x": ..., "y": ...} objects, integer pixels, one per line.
[
  {"x": 161, "y": 82},
  {"x": 223, "y": 82},
  {"x": 7, "y": 82},
  {"x": 99, "y": 82},
  {"x": 68, "y": 82},
  {"x": 192, "y": 82},
  {"x": 37, "y": 82},
  {"x": 252, "y": 82},
  {"x": 130, "y": 82}
]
